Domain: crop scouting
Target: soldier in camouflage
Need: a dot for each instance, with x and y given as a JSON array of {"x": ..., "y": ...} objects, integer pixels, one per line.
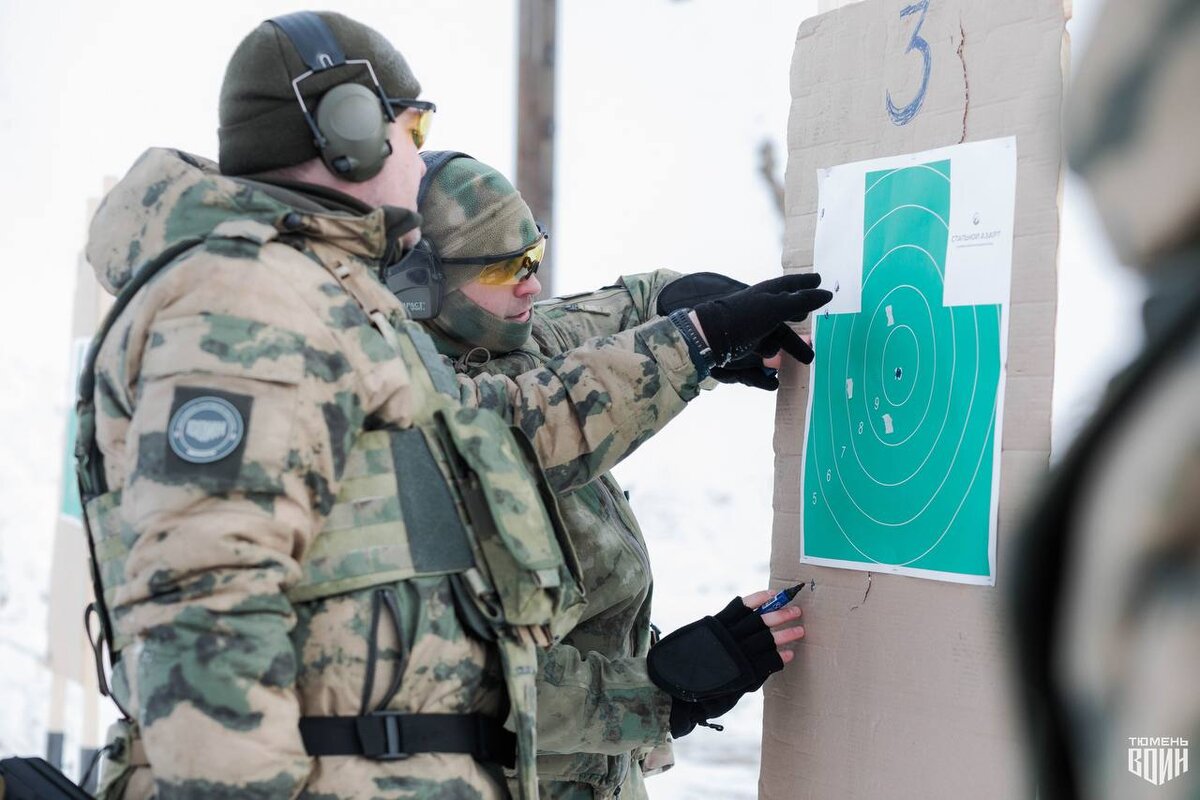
[
  {"x": 1108, "y": 601},
  {"x": 601, "y": 719},
  {"x": 323, "y": 567}
]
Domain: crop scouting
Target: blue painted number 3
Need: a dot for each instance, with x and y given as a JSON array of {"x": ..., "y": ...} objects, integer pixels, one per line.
[{"x": 902, "y": 116}]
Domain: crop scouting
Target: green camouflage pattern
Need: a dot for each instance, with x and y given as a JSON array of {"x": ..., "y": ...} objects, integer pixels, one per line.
[
  {"x": 217, "y": 663},
  {"x": 121, "y": 773},
  {"x": 1130, "y": 120},
  {"x": 614, "y": 411},
  {"x": 472, "y": 210},
  {"x": 1130, "y": 637},
  {"x": 462, "y": 326},
  {"x": 1110, "y": 633},
  {"x": 598, "y": 713}
]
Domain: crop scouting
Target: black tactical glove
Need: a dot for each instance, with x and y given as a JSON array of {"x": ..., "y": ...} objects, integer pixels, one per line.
[
  {"x": 689, "y": 290},
  {"x": 708, "y": 665},
  {"x": 751, "y": 319}
]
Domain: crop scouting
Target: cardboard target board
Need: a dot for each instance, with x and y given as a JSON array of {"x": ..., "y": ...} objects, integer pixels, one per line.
[
  {"x": 901, "y": 456},
  {"x": 923, "y": 183}
]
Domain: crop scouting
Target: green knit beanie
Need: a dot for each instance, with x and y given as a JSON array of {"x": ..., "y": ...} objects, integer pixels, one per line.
[
  {"x": 262, "y": 126},
  {"x": 470, "y": 210}
]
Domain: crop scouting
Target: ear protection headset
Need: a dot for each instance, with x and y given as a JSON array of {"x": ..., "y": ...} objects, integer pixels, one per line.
[
  {"x": 350, "y": 129},
  {"x": 417, "y": 280}
]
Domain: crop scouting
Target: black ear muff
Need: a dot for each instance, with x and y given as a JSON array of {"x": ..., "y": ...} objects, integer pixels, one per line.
[
  {"x": 417, "y": 281},
  {"x": 355, "y": 131}
]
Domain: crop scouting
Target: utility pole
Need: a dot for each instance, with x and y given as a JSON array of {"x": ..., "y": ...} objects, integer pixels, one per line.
[{"x": 536, "y": 38}]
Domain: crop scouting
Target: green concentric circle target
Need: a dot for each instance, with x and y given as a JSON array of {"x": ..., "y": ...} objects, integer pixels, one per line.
[{"x": 899, "y": 457}]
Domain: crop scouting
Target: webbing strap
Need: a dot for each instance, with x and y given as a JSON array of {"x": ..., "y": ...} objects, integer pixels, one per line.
[
  {"x": 520, "y": 675},
  {"x": 427, "y": 399},
  {"x": 388, "y": 735}
]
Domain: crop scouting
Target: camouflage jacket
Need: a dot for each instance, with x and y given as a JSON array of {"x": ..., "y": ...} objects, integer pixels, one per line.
[
  {"x": 598, "y": 712},
  {"x": 1108, "y": 601},
  {"x": 217, "y": 664},
  {"x": 1107, "y": 593}
]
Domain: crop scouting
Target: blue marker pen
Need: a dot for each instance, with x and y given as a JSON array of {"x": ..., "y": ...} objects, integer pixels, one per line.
[{"x": 780, "y": 600}]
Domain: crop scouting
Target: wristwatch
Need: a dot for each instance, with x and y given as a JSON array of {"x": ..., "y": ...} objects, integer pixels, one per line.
[{"x": 702, "y": 355}]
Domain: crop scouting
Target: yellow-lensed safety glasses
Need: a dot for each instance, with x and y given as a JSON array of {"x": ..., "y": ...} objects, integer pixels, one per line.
[
  {"x": 509, "y": 268},
  {"x": 424, "y": 109}
]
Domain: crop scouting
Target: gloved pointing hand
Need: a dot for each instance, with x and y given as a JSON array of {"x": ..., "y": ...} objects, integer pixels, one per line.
[
  {"x": 687, "y": 290},
  {"x": 709, "y": 665},
  {"x": 749, "y": 321}
]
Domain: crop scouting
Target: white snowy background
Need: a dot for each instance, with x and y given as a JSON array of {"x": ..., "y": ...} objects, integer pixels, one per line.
[{"x": 662, "y": 107}]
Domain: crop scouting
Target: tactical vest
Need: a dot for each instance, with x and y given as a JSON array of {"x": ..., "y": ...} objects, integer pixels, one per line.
[{"x": 458, "y": 494}]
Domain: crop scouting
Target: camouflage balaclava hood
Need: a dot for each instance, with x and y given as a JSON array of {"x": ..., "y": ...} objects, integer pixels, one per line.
[
  {"x": 262, "y": 126},
  {"x": 470, "y": 211}
]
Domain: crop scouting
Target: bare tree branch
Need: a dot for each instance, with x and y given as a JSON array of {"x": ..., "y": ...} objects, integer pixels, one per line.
[{"x": 767, "y": 168}]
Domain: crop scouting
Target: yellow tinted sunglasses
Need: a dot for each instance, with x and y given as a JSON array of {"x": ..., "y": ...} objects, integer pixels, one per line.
[
  {"x": 424, "y": 109},
  {"x": 509, "y": 268}
]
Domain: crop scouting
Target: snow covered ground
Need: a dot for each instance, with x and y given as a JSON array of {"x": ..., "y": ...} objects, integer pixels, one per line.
[{"x": 702, "y": 492}]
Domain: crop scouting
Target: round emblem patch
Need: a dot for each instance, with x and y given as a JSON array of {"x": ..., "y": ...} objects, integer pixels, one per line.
[{"x": 205, "y": 429}]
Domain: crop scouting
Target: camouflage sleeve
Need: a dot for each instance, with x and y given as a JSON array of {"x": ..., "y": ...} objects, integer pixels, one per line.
[
  {"x": 591, "y": 704},
  {"x": 590, "y": 407},
  {"x": 242, "y": 402},
  {"x": 565, "y": 322},
  {"x": 644, "y": 288}
]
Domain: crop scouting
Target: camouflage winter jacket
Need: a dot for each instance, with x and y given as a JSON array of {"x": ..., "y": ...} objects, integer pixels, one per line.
[
  {"x": 1108, "y": 570},
  {"x": 218, "y": 661},
  {"x": 598, "y": 712}
]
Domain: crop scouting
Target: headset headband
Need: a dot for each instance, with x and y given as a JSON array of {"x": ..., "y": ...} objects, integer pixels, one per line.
[
  {"x": 356, "y": 148},
  {"x": 434, "y": 161},
  {"x": 313, "y": 40}
]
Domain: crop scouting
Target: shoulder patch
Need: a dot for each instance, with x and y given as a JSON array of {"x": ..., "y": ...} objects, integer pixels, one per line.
[{"x": 205, "y": 429}]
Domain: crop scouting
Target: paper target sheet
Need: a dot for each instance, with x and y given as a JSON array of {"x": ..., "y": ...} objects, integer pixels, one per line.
[{"x": 902, "y": 442}]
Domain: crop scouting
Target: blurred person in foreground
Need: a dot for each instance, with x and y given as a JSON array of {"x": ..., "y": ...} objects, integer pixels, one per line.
[
  {"x": 604, "y": 714},
  {"x": 1108, "y": 590}
]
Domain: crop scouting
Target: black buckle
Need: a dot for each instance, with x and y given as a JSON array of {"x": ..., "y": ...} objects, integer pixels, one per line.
[{"x": 369, "y": 729}]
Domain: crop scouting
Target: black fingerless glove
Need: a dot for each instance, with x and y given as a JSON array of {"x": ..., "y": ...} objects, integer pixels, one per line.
[
  {"x": 751, "y": 320},
  {"x": 708, "y": 665}
]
